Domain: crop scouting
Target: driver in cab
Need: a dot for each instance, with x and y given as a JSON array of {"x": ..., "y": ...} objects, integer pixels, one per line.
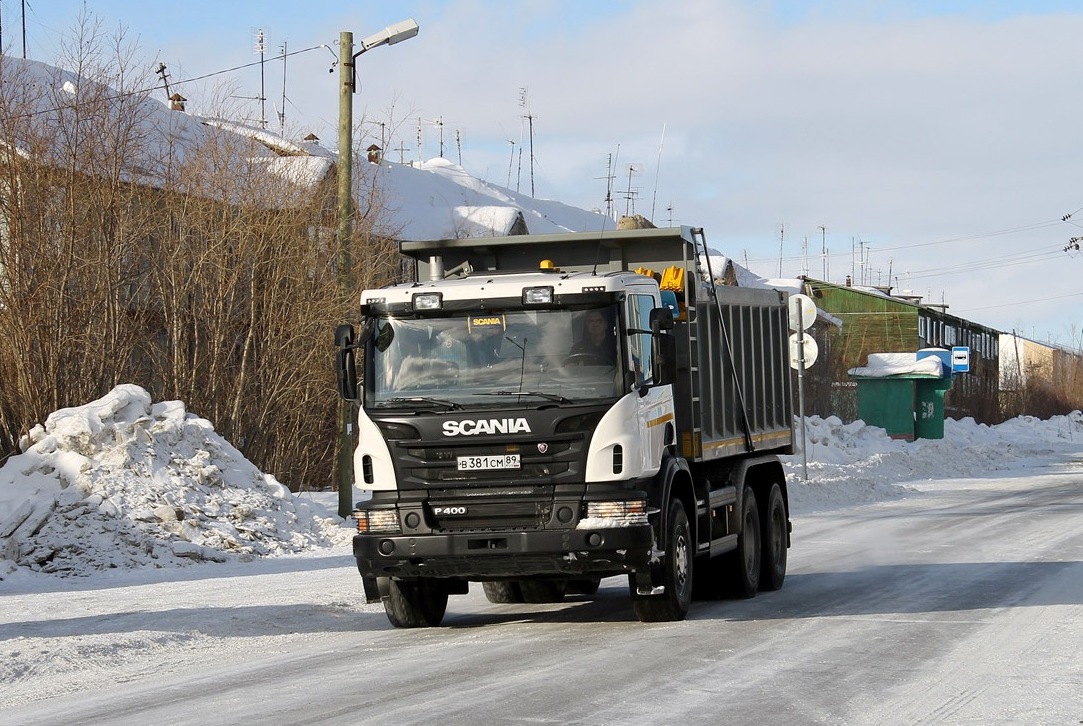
[{"x": 597, "y": 345}]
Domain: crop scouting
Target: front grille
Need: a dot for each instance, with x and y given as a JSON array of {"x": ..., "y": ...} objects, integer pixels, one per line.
[{"x": 422, "y": 465}]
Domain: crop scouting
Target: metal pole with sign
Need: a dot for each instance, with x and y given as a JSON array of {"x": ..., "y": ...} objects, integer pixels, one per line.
[{"x": 803, "y": 353}]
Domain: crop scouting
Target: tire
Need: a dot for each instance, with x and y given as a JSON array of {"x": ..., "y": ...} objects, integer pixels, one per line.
[
  {"x": 543, "y": 591},
  {"x": 775, "y": 542},
  {"x": 744, "y": 562},
  {"x": 676, "y": 574},
  {"x": 587, "y": 586},
  {"x": 416, "y": 603},
  {"x": 503, "y": 592}
]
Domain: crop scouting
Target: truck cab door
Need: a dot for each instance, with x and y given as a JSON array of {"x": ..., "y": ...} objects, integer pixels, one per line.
[{"x": 655, "y": 402}]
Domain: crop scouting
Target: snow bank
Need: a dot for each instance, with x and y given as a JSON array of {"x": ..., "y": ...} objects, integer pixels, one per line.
[
  {"x": 124, "y": 483},
  {"x": 855, "y": 463}
]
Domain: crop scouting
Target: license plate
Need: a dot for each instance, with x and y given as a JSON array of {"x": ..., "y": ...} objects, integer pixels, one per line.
[{"x": 479, "y": 463}]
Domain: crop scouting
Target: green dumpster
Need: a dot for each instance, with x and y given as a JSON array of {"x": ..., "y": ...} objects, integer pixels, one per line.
[
  {"x": 887, "y": 403},
  {"x": 903, "y": 394}
]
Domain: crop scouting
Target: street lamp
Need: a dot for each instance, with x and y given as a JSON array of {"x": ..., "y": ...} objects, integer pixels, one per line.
[{"x": 347, "y": 87}]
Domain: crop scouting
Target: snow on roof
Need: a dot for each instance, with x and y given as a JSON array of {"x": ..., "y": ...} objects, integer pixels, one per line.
[
  {"x": 438, "y": 199},
  {"x": 166, "y": 137}
]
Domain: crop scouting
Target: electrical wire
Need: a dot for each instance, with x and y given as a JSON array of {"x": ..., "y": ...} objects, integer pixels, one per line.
[{"x": 143, "y": 91}]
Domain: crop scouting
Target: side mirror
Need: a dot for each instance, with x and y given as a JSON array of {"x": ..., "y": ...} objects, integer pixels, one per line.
[
  {"x": 661, "y": 319},
  {"x": 345, "y": 365},
  {"x": 665, "y": 359}
]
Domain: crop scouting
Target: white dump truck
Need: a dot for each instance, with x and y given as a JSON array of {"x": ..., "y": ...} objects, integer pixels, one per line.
[{"x": 539, "y": 412}]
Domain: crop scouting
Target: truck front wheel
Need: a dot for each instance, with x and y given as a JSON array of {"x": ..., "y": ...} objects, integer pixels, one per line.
[
  {"x": 676, "y": 575},
  {"x": 417, "y": 603}
]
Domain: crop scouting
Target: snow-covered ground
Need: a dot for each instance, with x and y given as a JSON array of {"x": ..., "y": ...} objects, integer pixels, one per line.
[{"x": 123, "y": 483}]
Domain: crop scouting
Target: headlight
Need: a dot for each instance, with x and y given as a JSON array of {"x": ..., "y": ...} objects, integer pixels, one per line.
[
  {"x": 377, "y": 521},
  {"x": 624, "y": 513}
]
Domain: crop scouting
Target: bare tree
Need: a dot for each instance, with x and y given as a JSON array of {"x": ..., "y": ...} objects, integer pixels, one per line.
[{"x": 143, "y": 246}]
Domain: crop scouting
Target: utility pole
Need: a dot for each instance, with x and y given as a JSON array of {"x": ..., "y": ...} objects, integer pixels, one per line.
[{"x": 344, "y": 263}]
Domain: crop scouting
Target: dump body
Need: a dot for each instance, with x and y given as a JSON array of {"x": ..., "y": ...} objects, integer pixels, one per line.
[{"x": 559, "y": 457}]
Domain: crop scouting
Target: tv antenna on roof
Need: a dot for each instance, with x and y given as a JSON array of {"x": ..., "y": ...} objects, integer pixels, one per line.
[
  {"x": 609, "y": 184},
  {"x": 523, "y": 104},
  {"x": 260, "y": 48}
]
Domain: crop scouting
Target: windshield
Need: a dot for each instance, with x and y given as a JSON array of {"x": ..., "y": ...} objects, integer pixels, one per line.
[{"x": 483, "y": 359}]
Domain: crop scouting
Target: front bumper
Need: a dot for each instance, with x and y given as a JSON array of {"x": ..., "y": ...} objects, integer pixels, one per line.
[{"x": 493, "y": 554}]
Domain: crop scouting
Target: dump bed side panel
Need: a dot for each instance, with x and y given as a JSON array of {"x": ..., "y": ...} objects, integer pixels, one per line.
[{"x": 739, "y": 397}]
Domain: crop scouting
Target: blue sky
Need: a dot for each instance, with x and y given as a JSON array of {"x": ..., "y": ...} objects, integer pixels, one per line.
[{"x": 928, "y": 145}]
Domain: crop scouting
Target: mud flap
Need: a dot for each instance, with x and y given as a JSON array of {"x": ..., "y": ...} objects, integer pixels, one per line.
[{"x": 374, "y": 590}]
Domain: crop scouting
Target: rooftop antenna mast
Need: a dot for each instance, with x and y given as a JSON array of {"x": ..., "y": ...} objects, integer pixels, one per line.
[
  {"x": 511, "y": 160},
  {"x": 261, "y": 47},
  {"x": 419, "y": 159},
  {"x": 629, "y": 204},
  {"x": 282, "y": 113},
  {"x": 781, "y": 240},
  {"x": 609, "y": 185},
  {"x": 523, "y": 104},
  {"x": 823, "y": 251},
  {"x": 657, "y": 167},
  {"x": 160, "y": 70}
]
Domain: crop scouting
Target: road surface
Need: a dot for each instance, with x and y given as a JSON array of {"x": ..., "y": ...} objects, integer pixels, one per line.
[{"x": 961, "y": 604}]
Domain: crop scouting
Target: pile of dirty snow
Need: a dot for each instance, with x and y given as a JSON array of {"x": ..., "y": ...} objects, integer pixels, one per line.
[{"x": 124, "y": 483}]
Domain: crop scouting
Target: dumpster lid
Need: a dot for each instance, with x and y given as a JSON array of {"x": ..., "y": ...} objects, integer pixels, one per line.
[{"x": 898, "y": 365}]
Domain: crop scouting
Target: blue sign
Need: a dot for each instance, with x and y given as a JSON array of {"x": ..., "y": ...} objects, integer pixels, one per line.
[{"x": 960, "y": 359}]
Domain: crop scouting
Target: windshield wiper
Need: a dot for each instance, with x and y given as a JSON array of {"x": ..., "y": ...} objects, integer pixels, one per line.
[
  {"x": 423, "y": 399},
  {"x": 540, "y": 394}
]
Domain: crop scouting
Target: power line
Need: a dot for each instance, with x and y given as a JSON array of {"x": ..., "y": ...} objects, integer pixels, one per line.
[
  {"x": 1023, "y": 302},
  {"x": 138, "y": 92}
]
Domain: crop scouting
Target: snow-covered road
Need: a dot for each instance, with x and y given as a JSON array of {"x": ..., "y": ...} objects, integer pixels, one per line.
[{"x": 962, "y": 603}]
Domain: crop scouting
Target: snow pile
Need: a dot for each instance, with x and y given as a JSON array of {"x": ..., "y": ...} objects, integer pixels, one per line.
[
  {"x": 122, "y": 483},
  {"x": 855, "y": 463}
]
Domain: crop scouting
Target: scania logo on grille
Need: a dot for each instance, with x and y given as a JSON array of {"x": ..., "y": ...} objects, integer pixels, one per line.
[
  {"x": 543, "y": 447},
  {"x": 470, "y": 427}
]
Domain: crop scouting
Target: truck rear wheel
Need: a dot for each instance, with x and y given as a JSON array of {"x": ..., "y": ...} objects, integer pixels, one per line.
[
  {"x": 417, "y": 603},
  {"x": 676, "y": 575},
  {"x": 773, "y": 568},
  {"x": 744, "y": 562},
  {"x": 503, "y": 592},
  {"x": 543, "y": 591}
]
